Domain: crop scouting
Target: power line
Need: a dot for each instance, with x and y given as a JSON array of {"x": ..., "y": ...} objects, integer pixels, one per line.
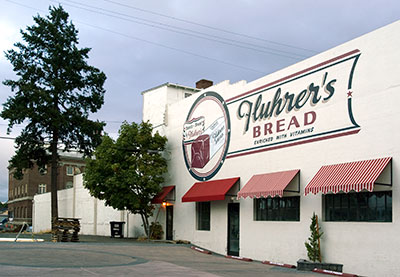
[
  {"x": 107, "y": 121},
  {"x": 175, "y": 29},
  {"x": 173, "y": 48},
  {"x": 209, "y": 27},
  {"x": 10, "y": 138},
  {"x": 153, "y": 43}
]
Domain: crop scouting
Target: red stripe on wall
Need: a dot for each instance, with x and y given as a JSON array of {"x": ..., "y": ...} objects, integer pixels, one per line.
[
  {"x": 293, "y": 144},
  {"x": 295, "y": 74}
]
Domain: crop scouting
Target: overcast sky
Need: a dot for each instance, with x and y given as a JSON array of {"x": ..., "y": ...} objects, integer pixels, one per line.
[{"x": 142, "y": 44}]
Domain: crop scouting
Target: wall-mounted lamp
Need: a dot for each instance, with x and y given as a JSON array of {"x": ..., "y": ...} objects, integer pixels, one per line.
[{"x": 166, "y": 204}]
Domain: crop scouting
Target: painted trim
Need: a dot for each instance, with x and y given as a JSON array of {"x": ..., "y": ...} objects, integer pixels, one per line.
[
  {"x": 293, "y": 75},
  {"x": 234, "y": 155}
]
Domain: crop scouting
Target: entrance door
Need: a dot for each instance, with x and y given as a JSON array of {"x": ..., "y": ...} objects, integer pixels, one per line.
[
  {"x": 169, "y": 225},
  {"x": 233, "y": 229}
]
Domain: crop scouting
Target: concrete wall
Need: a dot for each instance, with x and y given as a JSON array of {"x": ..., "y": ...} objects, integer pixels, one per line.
[
  {"x": 364, "y": 248},
  {"x": 94, "y": 216}
]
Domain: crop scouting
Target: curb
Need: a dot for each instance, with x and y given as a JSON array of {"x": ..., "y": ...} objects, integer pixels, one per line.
[
  {"x": 239, "y": 258},
  {"x": 201, "y": 250},
  {"x": 278, "y": 264},
  {"x": 330, "y": 272}
]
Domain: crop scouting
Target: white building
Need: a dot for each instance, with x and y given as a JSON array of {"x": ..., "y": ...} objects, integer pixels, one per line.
[{"x": 251, "y": 162}]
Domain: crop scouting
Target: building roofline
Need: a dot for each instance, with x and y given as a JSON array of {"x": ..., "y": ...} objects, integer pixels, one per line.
[
  {"x": 19, "y": 199},
  {"x": 172, "y": 85}
]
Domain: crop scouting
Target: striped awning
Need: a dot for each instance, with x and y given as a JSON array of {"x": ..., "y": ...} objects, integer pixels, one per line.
[
  {"x": 269, "y": 184},
  {"x": 346, "y": 177}
]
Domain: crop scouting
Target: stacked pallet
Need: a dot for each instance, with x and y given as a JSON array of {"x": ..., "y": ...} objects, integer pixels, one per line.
[{"x": 66, "y": 230}]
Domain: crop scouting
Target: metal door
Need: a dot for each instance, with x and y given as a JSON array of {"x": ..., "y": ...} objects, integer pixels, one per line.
[
  {"x": 169, "y": 225},
  {"x": 233, "y": 229}
]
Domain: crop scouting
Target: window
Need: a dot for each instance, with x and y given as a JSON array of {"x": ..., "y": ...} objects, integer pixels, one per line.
[
  {"x": 42, "y": 188},
  {"x": 362, "y": 206},
  {"x": 187, "y": 95},
  {"x": 203, "y": 216},
  {"x": 277, "y": 209},
  {"x": 70, "y": 170}
]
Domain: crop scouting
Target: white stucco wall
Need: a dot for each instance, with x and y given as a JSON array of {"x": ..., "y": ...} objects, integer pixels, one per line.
[
  {"x": 364, "y": 248},
  {"x": 94, "y": 215},
  {"x": 156, "y": 101}
]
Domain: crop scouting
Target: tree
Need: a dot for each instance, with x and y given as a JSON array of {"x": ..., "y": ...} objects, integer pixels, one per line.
[
  {"x": 127, "y": 173},
  {"x": 313, "y": 246},
  {"x": 54, "y": 95},
  {"x": 3, "y": 206}
]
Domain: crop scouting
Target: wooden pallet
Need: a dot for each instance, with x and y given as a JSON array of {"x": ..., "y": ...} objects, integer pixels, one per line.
[{"x": 66, "y": 230}]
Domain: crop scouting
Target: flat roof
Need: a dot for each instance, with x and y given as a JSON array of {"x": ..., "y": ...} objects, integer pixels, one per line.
[{"x": 172, "y": 85}]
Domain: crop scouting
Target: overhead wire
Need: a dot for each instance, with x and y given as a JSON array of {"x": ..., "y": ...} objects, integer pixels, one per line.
[
  {"x": 209, "y": 27},
  {"x": 173, "y": 48},
  {"x": 184, "y": 31},
  {"x": 151, "y": 42}
]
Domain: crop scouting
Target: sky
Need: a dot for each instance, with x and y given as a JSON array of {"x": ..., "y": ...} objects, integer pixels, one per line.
[{"x": 142, "y": 44}]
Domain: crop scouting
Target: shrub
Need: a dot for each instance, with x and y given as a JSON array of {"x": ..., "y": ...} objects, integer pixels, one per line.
[
  {"x": 313, "y": 246},
  {"x": 156, "y": 231}
]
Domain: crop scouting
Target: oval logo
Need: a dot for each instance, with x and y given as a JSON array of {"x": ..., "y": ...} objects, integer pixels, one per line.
[{"x": 206, "y": 135}]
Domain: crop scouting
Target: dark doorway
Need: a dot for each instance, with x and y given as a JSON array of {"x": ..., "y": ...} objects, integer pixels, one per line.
[
  {"x": 169, "y": 225},
  {"x": 233, "y": 229}
]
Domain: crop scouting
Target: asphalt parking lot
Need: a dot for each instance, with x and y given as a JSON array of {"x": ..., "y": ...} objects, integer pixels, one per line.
[{"x": 104, "y": 256}]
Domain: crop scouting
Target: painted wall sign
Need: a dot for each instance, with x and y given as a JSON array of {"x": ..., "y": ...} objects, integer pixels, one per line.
[
  {"x": 206, "y": 136},
  {"x": 310, "y": 105}
]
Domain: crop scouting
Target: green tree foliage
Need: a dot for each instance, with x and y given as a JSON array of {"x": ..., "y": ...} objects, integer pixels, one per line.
[
  {"x": 3, "y": 206},
  {"x": 313, "y": 244},
  {"x": 55, "y": 91},
  {"x": 128, "y": 172}
]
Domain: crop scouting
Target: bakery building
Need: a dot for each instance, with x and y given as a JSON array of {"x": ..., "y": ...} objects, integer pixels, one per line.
[{"x": 250, "y": 162}]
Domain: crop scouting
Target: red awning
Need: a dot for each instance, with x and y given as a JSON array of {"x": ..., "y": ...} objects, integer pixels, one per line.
[
  {"x": 346, "y": 177},
  {"x": 159, "y": 198},
  {"x": 209, "y": 191},
  {"x": 270, "y": 184}
]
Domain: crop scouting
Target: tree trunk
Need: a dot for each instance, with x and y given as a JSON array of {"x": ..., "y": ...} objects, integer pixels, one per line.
[{"x": 54, "y": 171}]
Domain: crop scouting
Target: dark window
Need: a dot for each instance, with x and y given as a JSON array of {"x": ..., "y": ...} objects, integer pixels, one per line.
[
  {"x": 277, "y": 209},
  {"x": 362, "y": 206},
  {"x": 203, "y": 216}
]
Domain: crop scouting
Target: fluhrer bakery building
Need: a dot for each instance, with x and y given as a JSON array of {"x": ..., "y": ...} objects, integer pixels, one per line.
[{"x": 251, "y": 162}]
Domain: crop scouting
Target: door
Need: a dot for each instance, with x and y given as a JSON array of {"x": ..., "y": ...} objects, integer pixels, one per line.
[
  {"x": 233, "y": 229},
  {"x": 169, "y": 225}
]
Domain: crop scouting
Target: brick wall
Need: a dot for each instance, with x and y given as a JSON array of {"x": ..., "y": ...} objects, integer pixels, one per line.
[{"x": 21, "y": 192}]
